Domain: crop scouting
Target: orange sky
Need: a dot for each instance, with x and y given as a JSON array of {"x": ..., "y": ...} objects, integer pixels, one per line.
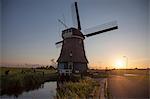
[{"x": 30, "y": 30}]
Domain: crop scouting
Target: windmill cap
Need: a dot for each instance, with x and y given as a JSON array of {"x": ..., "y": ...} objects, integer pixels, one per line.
[{"x": 72, "y": 32}]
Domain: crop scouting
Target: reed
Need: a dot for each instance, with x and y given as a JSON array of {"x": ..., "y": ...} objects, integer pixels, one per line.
[{"x": 79, "y": 89}]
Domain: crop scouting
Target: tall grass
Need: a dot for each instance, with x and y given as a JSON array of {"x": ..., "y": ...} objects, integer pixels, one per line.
[
  {"x": 79, "y": 89},
  {"x": 15, "y": 82}
]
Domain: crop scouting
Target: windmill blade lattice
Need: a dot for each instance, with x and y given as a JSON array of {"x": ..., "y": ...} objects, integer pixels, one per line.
[{"x": 101, "y": 28}]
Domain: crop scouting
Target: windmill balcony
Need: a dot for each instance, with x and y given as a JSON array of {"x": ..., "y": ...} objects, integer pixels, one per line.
[{"x": 65, "y": 71}]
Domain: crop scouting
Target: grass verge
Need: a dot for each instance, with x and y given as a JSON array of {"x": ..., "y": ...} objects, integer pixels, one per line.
[{"x": 81, "y": 89}]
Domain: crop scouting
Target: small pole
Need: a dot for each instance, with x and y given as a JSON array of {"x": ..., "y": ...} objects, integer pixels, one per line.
[{"x": 126, "y": 62}]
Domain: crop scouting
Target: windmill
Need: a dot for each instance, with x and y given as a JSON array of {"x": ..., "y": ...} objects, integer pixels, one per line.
[{"x": 72, "y": 58}]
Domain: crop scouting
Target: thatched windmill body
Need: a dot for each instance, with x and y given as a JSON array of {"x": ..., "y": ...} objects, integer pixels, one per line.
[{"x": 72, "y": 58}]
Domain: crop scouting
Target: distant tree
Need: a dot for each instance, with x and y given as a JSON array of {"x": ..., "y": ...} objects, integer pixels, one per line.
[
  {"x": 53, "y": 63},
  {"x": 51, "y": 67},
  {"x": 114, "y": 69},
  {"x": 148, "y": 68},
  {"x": 6, "y": 72},
  {"x": 46, "y": 67}
]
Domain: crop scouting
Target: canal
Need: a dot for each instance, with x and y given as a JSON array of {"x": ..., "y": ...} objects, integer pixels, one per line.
[{"x": 45, "y": 91}]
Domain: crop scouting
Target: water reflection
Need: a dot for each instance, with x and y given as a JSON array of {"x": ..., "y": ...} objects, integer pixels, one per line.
[
  {"x": 17, "y": 90},
  {"x": 44, "y": 91}
]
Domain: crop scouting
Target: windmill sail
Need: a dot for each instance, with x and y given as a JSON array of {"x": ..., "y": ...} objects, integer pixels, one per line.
[
  {"x": 58, "y": 45},
  {"x": 75, "y": 16},
  {"x": 101, "y": 29},
  {"x": 78, "y": 18},
  {"x": 58, "y": 42}
]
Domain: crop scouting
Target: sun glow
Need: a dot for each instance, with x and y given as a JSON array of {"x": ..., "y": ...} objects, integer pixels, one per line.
[{"x": 119, "y": 63}]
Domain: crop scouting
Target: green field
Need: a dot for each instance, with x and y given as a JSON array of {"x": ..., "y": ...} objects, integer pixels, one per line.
[
  {"x": 17, "y": 80},
  {"x": 130, "y": 71}
]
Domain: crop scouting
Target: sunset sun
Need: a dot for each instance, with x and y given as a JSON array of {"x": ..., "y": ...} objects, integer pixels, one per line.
[{"x": 119, "y": 63}]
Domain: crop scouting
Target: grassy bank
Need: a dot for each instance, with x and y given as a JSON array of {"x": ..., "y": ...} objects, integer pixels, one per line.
[
  {"x": 82, "y": 89},
  {"x": 99, "y": 75},
  {"x": 129, "y": 71},
  {"x": 14, "y": 81}
]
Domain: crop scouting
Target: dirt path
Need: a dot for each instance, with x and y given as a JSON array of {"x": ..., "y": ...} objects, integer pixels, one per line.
[{"x": 102, "y": 84}]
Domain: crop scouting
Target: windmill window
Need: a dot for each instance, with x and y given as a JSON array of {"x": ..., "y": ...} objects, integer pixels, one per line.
[
  {"x": 70, "y": 54},
  {"x": 70, "y": 30},
  {"x": 61, "y": 65},
  {"x": 65, "y": 67}
]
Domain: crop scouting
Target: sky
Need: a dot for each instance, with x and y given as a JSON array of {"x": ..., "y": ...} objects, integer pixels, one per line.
[{"x": 30, "y": 28}]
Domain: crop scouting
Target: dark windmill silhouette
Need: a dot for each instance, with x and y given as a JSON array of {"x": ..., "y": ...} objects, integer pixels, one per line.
[{"x": 72, "y": 58}]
